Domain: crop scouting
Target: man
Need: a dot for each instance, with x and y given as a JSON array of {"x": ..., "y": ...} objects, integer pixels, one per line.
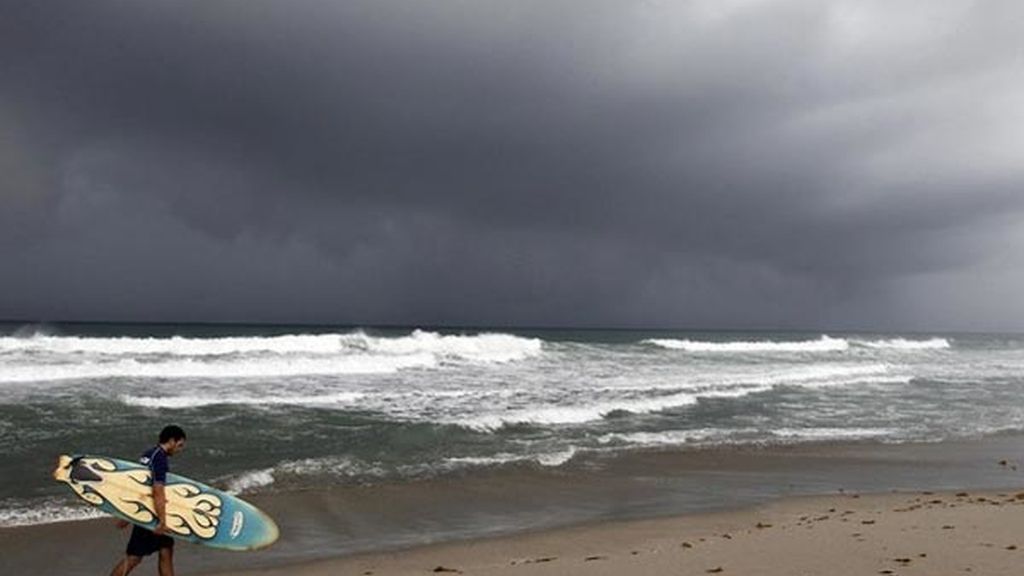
[{"x": 144, "y": 542}]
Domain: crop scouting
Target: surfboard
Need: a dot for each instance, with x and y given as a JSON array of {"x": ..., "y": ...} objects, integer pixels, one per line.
[{"x": 195, "y": 512}]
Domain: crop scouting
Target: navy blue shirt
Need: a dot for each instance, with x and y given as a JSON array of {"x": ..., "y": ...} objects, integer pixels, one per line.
[{"x": 156, "y": 460}]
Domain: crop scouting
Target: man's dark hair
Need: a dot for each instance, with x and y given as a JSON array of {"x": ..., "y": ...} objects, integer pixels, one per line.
[{"x": 171, "y": 432}]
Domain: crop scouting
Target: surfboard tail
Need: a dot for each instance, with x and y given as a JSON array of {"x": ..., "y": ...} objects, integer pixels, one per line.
[{"x": 62, "y": 473}]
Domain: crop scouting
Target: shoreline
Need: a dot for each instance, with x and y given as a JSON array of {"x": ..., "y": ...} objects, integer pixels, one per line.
[
  {"x": 512, "y": 506},
  {"x": 895, "y": 533}
]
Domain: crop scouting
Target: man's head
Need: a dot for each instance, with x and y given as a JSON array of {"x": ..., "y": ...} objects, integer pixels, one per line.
[{"x": 172, "y": 439}]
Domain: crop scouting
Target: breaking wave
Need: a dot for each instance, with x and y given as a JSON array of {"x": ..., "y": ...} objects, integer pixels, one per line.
[
  {"x": 488, "y": 347},
  {"x": 27, "y": 513},
  {"x": 823, "y": 344},
  {"x": 44, "y": 357},
  {"x": 180, "y": 402},
  {"x": 240, "y": 368},
  {"x": 250, "y": 481},
  {"x": 904, "y": 344}
]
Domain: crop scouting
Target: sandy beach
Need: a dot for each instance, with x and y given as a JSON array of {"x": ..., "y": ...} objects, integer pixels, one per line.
[
  {"x": 933, "y": 533},
  {"x": 859, "y": 508}
]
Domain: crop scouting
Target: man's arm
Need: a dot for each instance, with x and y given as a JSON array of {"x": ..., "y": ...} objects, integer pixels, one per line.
[
  {"x": 160, "y": 503},
  {"x": 159, "y": 466}
]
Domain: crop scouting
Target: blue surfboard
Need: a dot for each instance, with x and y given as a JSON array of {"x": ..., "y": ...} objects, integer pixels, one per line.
[{"x": 195, "y": 512}]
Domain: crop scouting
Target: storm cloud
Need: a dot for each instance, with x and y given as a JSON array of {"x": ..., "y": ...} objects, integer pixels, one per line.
[{"x": 714, "y": 163}]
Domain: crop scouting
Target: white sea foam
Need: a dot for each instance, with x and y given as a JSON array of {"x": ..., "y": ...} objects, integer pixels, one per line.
[
  {"x": 249, "y": 481},
  {"x": 183, "y": 402},
  {"x": 177, "y": 345},
  {"x": 547, "y": 459},
  {"x": 716, "y": 436},
  {"x": 344, "y": 466},
  {"x": 555, "y": 415},
  {"x": 488, "y": 347},
  {"x": 265, "y": 367},
  {"x": 668, "y": 437},
  {"x": 823, "y": 344},
  {"x": 20, "y": 513},
  {"x": 48, "y": 358},
  {"x": 904, "y": 344},
  {"x": 831, "y": 375},
  {"x": 554, "y": 459},
  {"x": 826, "y": 433}
]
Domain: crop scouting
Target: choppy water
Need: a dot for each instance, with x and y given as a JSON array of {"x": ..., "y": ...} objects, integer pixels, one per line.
[{"x": 278, "y": 408}]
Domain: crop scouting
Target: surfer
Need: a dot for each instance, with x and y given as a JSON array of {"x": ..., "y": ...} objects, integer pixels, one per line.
[{"x": 144, "y": 542}]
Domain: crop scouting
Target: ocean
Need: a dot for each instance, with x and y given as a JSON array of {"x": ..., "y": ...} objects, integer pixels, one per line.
[{"x": 280, "y": 409}]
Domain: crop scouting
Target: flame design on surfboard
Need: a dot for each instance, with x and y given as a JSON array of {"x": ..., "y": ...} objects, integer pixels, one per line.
[{"x": 191, "y": 511}]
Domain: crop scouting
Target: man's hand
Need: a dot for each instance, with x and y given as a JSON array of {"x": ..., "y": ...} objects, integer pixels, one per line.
[
  {"x": 160, "y": 529},
  {"x": 121, "y": 524}
]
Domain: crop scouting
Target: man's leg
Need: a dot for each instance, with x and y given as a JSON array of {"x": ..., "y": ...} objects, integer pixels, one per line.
[
  {"x": 125, "y": 566},
  {"x": 167, "y": 561}
]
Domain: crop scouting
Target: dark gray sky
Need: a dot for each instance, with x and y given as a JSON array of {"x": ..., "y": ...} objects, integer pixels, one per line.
[{"x": 715, "y": 163}]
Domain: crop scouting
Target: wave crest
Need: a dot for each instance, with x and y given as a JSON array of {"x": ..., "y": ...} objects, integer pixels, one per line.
[
  {"x": 823, "y": 344},
  {"x": 490, "y": 347},
  {"x": 905, "y": 344}
]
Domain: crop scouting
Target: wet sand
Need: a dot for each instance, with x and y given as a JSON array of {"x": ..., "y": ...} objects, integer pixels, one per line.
[
  {"x": 605, "y": 508},
  {"x": 923, "y": 533}
]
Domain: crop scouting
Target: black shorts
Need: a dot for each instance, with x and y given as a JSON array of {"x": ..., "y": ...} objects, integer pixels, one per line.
[{"x": 143, "y": 542}]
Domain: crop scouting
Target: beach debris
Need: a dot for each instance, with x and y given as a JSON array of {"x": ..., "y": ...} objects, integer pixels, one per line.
[
  {"x": 727, "y": 536},
  {"x": 962, "y": 494},
  {"x": 446, "y": 569},
  {"x": 903, "y": 561},
  {"x": 686, "y": 545},
  {"x": 1011, "y": 547},
  {"x": 948, "y": 527},
  {"x": 886, "y": 572},
  {"x": 715, "y": 570},
  {"x": 867, "y": 521},
  {"x": 592, "y": 558},
  {"x": 763, "y": 525},
  {"x": 541, "y": 560}
]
